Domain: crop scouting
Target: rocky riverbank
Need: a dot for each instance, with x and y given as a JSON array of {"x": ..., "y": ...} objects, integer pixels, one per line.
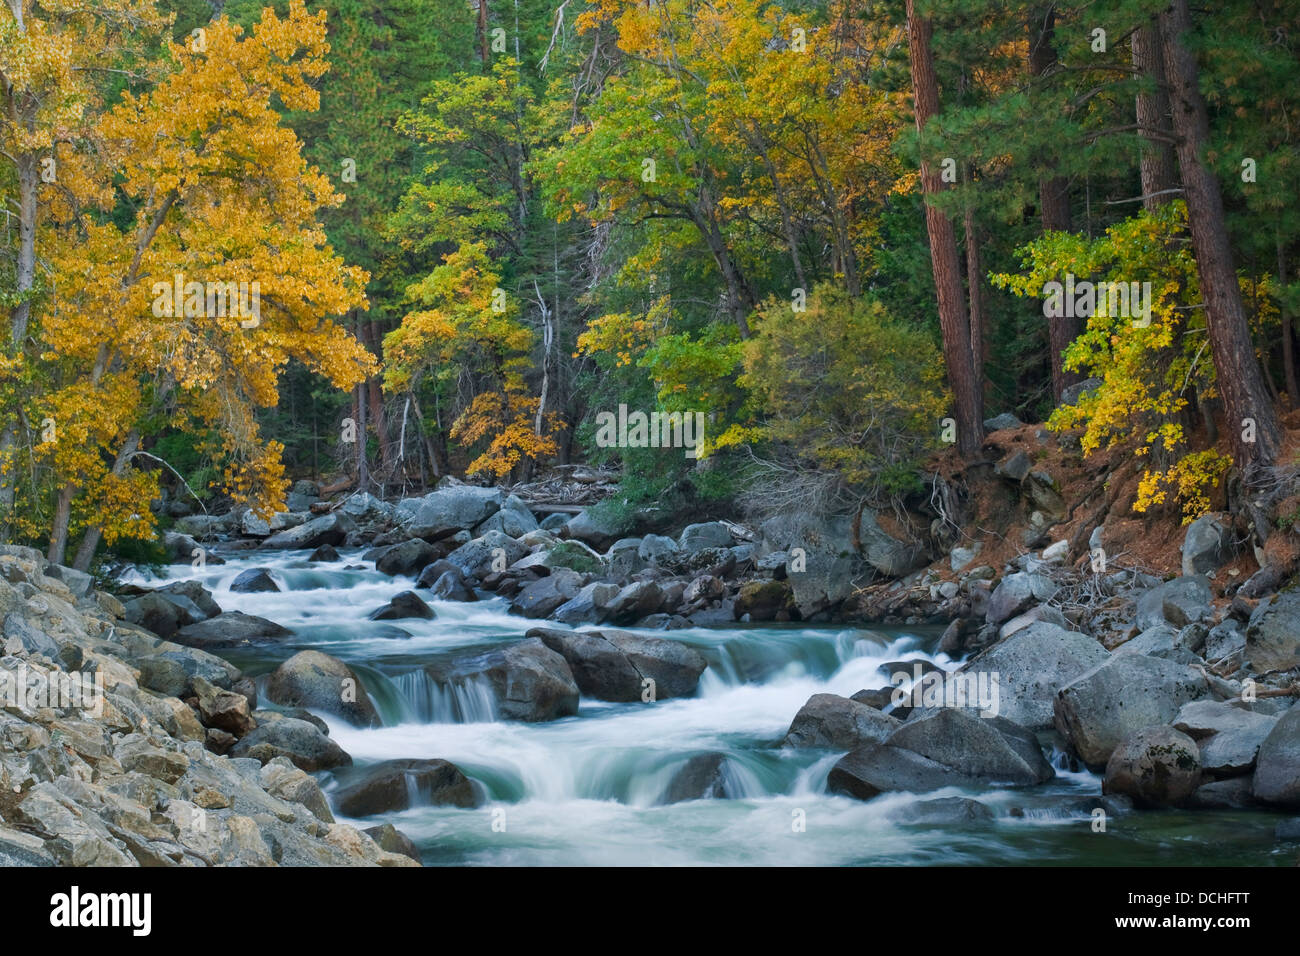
[{"x": 1174, "y": 692}]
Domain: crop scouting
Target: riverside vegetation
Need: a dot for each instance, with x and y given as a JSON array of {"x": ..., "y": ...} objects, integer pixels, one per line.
[{"x": 599, "y": 469}]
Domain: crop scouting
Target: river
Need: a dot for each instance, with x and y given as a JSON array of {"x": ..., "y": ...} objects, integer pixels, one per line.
[{"x": 586, "y": 789}]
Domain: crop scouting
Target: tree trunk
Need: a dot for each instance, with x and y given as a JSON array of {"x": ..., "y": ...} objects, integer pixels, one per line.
[
  {"x": 953, "y": 319},
  {"x": 1245, "y": 397},
  {"x": 974, "y": 275},
  {"x": 90, "y": 540},
  {"x": 59, "y": 529},
  {"x": 19, "y": 317},
  {"x": 1288, "y": 345},
  {"x": 1053, "y": 202},
  {"x": 1157, "y": 164},
  {"x": 482, "y": 31}
]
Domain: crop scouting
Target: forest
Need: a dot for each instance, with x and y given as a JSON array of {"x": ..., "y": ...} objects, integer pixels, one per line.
[{"x": 834, "y": 230}]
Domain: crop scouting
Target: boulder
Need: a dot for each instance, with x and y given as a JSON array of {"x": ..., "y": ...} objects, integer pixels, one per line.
[
  {"x": 1179, "y": 602},
  {"x": 451, "y": 586},
  {"x": 405, "y": 604},
  {"x": 1157, "y": 767},
  {"x": 442, "y": 513},
  {"x": 317, "y": 681},
  {"x": 514, "y": 520},
  {"x": 1206, "y": 545},
  {"x": 1227, "y": 736},
  {"x": 366, "y": 507},
  {"x": 941, "y": 749},
  {"x": 596, "y": 529},
  {"x": 330, "y": 529},
  {"x": 195, "y": 593},
  {"x": 489, "y": 552},
  {"x": 1273, "y": 633},
  {"x": 324, "y": 553},
  {"x": 545, "y": 595},
  {"x": 1277, "y": 766},
  {"x": 999, "y": 422},
  {"x": 710, "y": 534},
  {"x": 408, "y": 558},
  {"x": 832, "y": 722},
  {"x": 619, "y": 666},
  {"x": 393, "y": 840},
  {"x": 529, "y": 681},
  {"x": 1071, "y": 394},
  {"x": 944, "y": 811},
  {"x": 1017, "y": 593},
  {"x": 282, "y": 779},
  {"x": 223, "y": 709},
  {"x": 398, "y": 784},
  {"x": 765, "y": 601},
  {"x": 656, "y": 549},
  {"x": 162, "y": 613},
  {"x": 231, "y": 629},
  {"x": 702, "y": 777},
  {"x": 1032, "y": 666},
  {"x": 588, "y": 606},
  {"x": 301, "y": 742},
  {"x": 254, "y": 580},
  {"x": 630, "y": 604},
  {"x": 1123, "y": 694}
]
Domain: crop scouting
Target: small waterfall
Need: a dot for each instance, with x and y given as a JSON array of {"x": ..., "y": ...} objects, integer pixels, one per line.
[{"x": 427, "y": 701}]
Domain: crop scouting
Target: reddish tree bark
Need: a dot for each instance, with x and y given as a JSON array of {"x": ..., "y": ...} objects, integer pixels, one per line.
[
  {"x": 953, "y": 320},
  {"x": 1239, "y": 381}
]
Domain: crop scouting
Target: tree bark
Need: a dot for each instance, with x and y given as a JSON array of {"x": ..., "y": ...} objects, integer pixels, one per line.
[
  {"x": 1158, "y": 167},
  {"x": 1053, "y": 202},
  {"x": 1288, "y": 333},
  {"x": 974, "y": 274},
  {"x": 953, "y": 319},
  {"x": 1245, "y": 397}
]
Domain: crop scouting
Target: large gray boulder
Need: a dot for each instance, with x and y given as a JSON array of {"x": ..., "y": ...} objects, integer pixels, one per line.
[
  {"x": 1227, "y": 734},
  {"x": 1120, "y": 696},
  {"x": 619, "y": 666},
  {"x": 231, "y": 629},
  {"x": 1179, "y": 602},
  {"x": 1277, "y": 767},
  {"x": 302, "y": 742},
  {"x": 1016, "y": 594},
  {"x": 594, "y": 529},
  {"x": 253, "y": 581},
  {"x": 442, "y": 513},
  {"x": 408, "y": 558},
  {"x": 588, "y": 605},
  {"x": 710, "y": 534},
  {"x": 1205, "y": 545},
  {"x": 317, "y": 681},
  {"x": 514, "y": 519},
  {"x": 393, "y": 785},
  {"x": 1157, "y": 767},
  {"x": 945, "y": 748},
  {"x": 637, "y": 600},
  {"x": 1273, "y": 634},
  {"x": 837, "y": 723},
  {"x": 489, "y": 552},
  {"x": 1031, "y": 666},
  {"x": 330, "y": 529},
  {"x": 529, "y": 681},
  {"x": 545, "y": 595}
]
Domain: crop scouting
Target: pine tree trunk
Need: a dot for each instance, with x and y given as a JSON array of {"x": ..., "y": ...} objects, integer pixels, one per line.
[
  {"x": 1288, "y": 334},
  {"x": 953, "y": 319},
  {"x": 1053, "y": 202},
  {"x": 1157, "y": 165},
  {"x": 1245, "y": 397}
]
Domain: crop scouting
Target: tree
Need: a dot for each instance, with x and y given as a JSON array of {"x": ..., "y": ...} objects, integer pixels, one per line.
[
  {"x": 953, "y": 319},
  {"x": 1252, "y": 421}
]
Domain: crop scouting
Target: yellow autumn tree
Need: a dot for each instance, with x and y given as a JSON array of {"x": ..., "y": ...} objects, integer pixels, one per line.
[
  {"x": 464, "y": 337},
  {"x": 222, "y": 208}
]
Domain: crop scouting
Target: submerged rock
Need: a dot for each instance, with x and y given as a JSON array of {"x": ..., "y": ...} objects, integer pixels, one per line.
[{"x": 399, "y": 784}]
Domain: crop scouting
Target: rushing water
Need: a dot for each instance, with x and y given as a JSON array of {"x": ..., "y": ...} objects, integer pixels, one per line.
[{"x": 586, "y": 789}]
